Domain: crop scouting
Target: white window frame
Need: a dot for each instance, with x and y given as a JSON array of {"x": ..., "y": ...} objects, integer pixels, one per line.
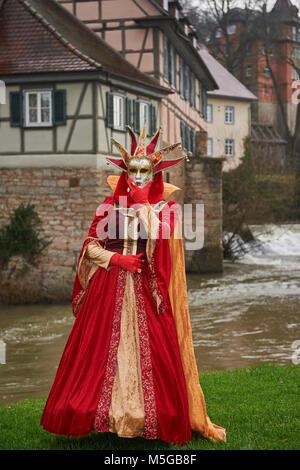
[
  {"x": 229, "y": 114},
  {"x": 264, "y": 90},
  {"x": 119, "y": 117},
  {"x": 229, "y": 148},
  {"x": 267, "y": 72},
  {"x": 145, "y": 106},
  {"x": 209, "y": 112},
  {"x": 210, "y": 147},
  {"x": 249, "y": 71},
  {"x": 295, "y": 75},
  {"x": 39, "y": 122}
]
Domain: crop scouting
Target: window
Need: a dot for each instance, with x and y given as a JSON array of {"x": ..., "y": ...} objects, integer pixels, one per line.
[
  {"x": 267, "y": 72},
  {"x": 118, "y": 111},
  {"x": 231, "y": 29},
  {"x": 295, "y": 74},
  {"x": 248, "y": 48},
  {"x": 145, "y": 116},
  {"x": 229, "y": 114},
  {"x": 209, "y": 113},
  {"x": 271, "y": 91},
  {"x": 144, "y": 112},
  {"x": 192, "y": 90},
  {"x": 202, "y": 101},
  {"x": 229, "y": 147},
  {"x": 188, "y": 137},
  {"x": 295, "y": 33},
  {"x": 169, "y": 63},
  {"x": 187, "y": 84},
  {"x": 296, "y": 53},
  {"x": 210, "y": 150},
  {"x": 249, "y": 71},
  {"x": 264, "y": 90},
  {"x": 38, "y": 108}
]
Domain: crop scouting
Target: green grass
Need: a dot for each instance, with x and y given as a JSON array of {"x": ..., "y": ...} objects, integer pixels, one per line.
[{"x": 258, "y": 406}]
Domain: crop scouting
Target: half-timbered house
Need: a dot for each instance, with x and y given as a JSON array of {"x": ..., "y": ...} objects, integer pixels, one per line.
[
  {"x": 158, "y": 39},
  {"x": 67, "y": 93}
]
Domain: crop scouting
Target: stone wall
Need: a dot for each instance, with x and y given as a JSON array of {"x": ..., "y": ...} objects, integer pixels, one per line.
[
  {"x": 66, "y": 200},
  {"x": 203, "y": 185}
]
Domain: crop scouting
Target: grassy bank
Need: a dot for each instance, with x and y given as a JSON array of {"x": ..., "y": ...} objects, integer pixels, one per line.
[{"x": 259, "y": 407}]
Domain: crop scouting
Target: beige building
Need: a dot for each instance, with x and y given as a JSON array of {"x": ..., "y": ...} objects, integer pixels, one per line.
[{"x": 228, "y": 114}]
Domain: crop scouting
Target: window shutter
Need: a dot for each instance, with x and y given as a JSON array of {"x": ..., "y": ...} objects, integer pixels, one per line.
[
  {"x": 187, "y": 83},
  {"x": 166, "y": 58},
  {"x": 152, "y": 120},
  {"x": 182, "y": 132},
  {"x": 200, "y": 99},
  {"x": 128, "y": 111},
  {"x": 181, "y": 76},
  {"x": 193, "y": 90},
  {"x": 109, "y": 109},
  {"x": 187, "y": 138},
  {"x": 173, "y": 67},
  {"x": 59, "y": 105},
  {"x": 136, "y": 116},
  {"x": 204, "y": 104},
  {"x": 192, "y": 140},
  {"x": 16, "y": 108}
]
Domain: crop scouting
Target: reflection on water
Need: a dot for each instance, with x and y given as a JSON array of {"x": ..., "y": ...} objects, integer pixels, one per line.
[{"x": 248, "y": 315}]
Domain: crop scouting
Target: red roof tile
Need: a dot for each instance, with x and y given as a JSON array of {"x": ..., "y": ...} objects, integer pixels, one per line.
[{"x": 28, "y": 44}]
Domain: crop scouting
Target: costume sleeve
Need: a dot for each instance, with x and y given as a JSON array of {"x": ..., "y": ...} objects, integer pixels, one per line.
[{"x": 98, "y": 255}]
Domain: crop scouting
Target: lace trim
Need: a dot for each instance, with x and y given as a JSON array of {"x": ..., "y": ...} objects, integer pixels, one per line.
[
  {"x": 150, "y": 427},
  {"x": 101, "y": 421}
]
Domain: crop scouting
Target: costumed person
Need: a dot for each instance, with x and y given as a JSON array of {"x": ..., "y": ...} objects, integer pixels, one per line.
[{"x": 129, "y": 366}]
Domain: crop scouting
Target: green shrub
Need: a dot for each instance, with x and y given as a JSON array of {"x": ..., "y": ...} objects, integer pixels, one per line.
[{"x": 22, "y": 237}]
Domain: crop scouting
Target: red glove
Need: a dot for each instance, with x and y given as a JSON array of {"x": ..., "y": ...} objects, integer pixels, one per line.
[
  {"x": 129, "y": 262},
  {"x": 139, "y": 195}
]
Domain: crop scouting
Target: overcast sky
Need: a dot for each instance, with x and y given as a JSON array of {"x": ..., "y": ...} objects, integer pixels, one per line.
[{"x": 240, "y": 3}]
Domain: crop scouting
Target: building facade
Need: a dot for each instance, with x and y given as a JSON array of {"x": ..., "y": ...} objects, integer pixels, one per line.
[
  {"x": 261, "y": 64},
  {"x": 228, "y": 114}
]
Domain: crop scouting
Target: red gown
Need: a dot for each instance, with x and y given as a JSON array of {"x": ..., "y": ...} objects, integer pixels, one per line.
[{"x": 122, "y": 370}]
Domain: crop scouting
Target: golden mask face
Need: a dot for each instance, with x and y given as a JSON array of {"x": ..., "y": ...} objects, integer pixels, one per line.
[{"x": 140, "y": 170}]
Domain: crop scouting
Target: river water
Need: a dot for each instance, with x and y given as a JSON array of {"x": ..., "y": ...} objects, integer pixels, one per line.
[{"x": 248, "y": 315}]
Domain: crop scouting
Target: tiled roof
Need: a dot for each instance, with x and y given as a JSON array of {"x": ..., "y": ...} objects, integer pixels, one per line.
[
  {"x": 29, "y": 44},
  {"x": 41, "y": 36},
  {"x": 229, "y": 86}
]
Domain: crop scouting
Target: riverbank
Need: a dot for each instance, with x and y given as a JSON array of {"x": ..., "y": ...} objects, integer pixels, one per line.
[{"x": 259, "y": 407}]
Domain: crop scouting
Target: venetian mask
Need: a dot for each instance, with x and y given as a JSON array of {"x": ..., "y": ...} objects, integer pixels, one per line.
[{"x": 140, "y": 170}]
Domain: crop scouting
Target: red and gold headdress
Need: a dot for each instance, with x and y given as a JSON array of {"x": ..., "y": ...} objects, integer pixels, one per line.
[{"x": 141, "y": 150}]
